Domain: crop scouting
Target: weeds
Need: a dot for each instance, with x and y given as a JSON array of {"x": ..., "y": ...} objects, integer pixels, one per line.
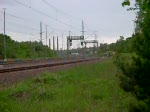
[{"x": 90, "y": 88}]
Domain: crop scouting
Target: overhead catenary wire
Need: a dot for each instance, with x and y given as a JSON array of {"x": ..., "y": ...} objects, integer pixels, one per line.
[
  {"x": 91, "y": 34},
  {"x": 50, "y": 5},
  {"x": 44, "y": 14},
  {"x": 21, "y": 32},
  {"x": 24, "y": 19},
  {"x": 60, "y": 11},
  {"x": 21, "y": 18},
  {"x": 16, "y": 24},
  {"x": 24, "y": 33},
  {"x": 14, "y": 16}
]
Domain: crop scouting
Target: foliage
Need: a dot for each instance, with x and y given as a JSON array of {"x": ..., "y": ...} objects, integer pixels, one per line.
[
  {"x": 24, "y": 50},
  {"x": 104, "y": 47},
  {"x": 126, "y": 2},
  {"x": 121, "y": 46},
  {"x": 136, "y": 72},
  {"x": 84, "y": 88}
]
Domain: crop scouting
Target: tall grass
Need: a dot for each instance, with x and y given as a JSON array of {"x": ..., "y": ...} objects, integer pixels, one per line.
[{"x": 86, "y": 88}]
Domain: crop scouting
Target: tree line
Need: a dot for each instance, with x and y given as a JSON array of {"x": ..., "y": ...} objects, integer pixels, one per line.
[
  {"x": 135, "y": 69},
  {"x": 132, "y": 57},
  {"x": 24, "y": 50}
]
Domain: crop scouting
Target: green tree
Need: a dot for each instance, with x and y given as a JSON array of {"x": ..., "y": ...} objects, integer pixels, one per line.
[
  {"x": 136, "y": 72},
  {"x": 24, "y": 50}
]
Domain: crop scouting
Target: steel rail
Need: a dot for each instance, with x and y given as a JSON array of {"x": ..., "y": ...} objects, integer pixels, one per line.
[{"x": 6, "y": 70}]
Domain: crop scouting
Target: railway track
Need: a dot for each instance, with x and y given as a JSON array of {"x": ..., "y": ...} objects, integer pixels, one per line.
[
  {"x": 23, "y": 68},
  {"x": 13, "y": 74}
]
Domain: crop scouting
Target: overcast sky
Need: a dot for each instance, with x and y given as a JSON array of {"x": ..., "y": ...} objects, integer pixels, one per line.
[{"x": 106, "y": 18}]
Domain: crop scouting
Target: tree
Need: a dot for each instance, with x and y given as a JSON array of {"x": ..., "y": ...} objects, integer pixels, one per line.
[
  {"x": 24, "y": 50},
  {"x": 136, "y": 73}
]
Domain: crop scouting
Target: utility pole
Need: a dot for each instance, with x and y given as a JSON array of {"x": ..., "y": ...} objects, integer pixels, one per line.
[
  {"x": 53, "y": 43},
  {"x": 50, "y": 43},
  {"x": 96, "y": 40},
  {"x": 41, "y": 32},
  {"x": 95, "y": 37},
  {"x": 69, "y": 33},
  {"x": 68, "y": 44},
  {"x": 46, "y": 35},
  {"x": 5, "y": 59},
  {"x": 46, "y": 41},
  {"x": 83, "y": 50},
  {"x": 82, "y": 28},
  {"x": 69, "y": 40},
  {"x": 57, "y": 44},
  {"x": 62, "y": 42},
  {"x": 34, "y": 50}
]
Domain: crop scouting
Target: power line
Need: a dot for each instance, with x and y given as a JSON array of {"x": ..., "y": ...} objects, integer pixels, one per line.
[
  {"x": 24, "y": 33},
  {"x": 21, "y": 18},
  {"x": 91, "y": 35},
  {"x": 16, "y": 24},
  {"x": 44, "y": 14},
  {"x": 15, "y": 16},
  {"x": 58, "y": 10},
  {"x": 87, "y": 27},
  {"x": 17, "y": 31},
  {"x": 56, "y": 28},
  {"x": 41, "y": 14},
  {"x": 50, "y": 5}
]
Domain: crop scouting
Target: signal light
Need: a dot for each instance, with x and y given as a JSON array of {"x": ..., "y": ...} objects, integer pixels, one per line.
[
  {"x": 71, "y": 44},
  {"x": 81, "y": 43}
]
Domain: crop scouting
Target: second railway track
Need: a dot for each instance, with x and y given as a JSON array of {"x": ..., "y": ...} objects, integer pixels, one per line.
[
  {"x": 23, "y": 68},
  {"x": 14, "y": 74}
]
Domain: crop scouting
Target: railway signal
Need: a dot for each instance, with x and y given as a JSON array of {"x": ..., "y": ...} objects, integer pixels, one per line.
[
  {"x": 70, "y": 38},
  {"x": 70, "y": 43},
  {"x": 81, "y": 43}
]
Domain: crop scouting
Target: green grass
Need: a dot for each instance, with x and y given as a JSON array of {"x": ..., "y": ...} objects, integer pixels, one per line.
[{"x": 88, "y": 88}]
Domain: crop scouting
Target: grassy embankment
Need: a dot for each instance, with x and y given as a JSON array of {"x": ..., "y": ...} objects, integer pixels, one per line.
[{"x": 89, "y": 88}]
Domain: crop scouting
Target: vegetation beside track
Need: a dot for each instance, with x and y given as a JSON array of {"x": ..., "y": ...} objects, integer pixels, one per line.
[
  {"x": 24, "y": 50},
  {"x": 88, "y": 88}
]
